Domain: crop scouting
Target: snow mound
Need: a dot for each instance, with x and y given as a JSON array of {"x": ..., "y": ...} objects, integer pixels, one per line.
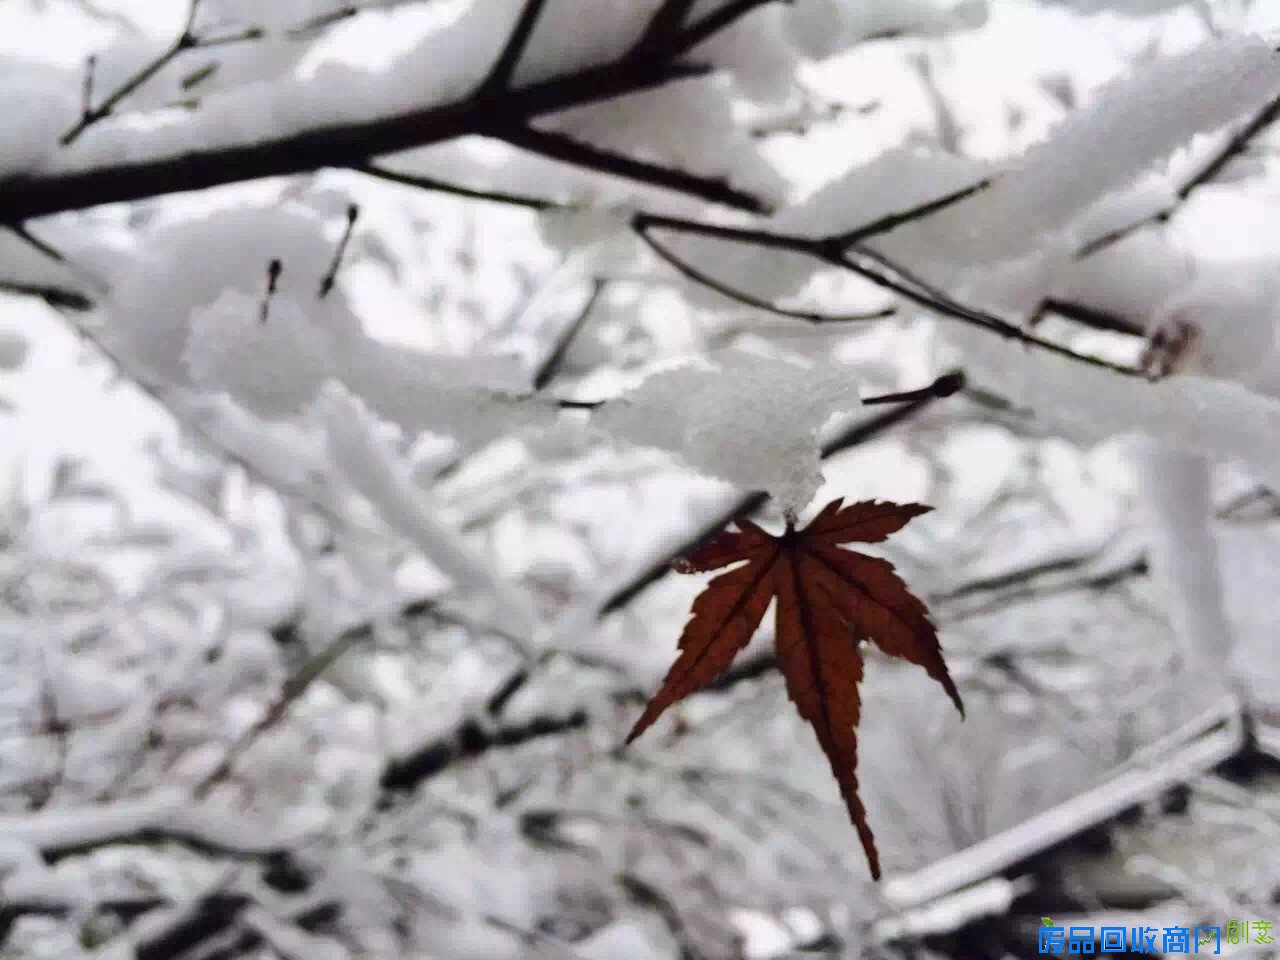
[
  {"x": 754, "y": 422},
  {"x": 186, "y": 265},
  {"x": 272, "y": 363}
]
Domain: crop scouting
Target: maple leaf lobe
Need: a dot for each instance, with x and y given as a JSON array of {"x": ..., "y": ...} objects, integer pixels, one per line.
[{"x": 826, "y": 601}]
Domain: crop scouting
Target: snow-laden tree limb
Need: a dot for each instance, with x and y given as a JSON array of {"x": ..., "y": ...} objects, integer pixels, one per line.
[
  {"x": 361, "y": 456},
  {"x": 232, "y": 139}
]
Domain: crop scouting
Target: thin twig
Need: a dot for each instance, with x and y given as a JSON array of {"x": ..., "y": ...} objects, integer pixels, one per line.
[
  {"x": 86, "y": 89},
  {"x": 559, "y": 146},
  {"x": 187, "y": 40},
  {"x": 1236, "y": 145},
  {"x": 875, "y": 267},
  {"x": 468, "y": 193},
  {"x": 331, "y": 275},
  {"x": 892, "y": 221},
  {"x": 24, "y": 234},
  {"x": 945, "y": 386},
  {"x": 274, "y": 268},
  {"x": 551, "y": 363},
  {"x": 54, "y": 296},
  {"x": 1092, "y": 317},
  {"x": 320, "y": 21},
  {"x": 294, "y": 687},
  {"x": 689, "y": 271},
  {"x": 933, "y": 299}
]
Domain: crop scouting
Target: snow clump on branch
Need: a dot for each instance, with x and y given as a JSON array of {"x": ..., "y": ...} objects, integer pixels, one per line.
[{"x": 754, "y": 421}]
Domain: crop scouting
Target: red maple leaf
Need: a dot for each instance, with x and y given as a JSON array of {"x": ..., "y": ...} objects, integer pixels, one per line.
[{"x": 828, "y": 601}]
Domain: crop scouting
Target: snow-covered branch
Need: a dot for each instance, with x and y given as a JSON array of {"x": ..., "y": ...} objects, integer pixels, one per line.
[{"x": 200, "y": 151}]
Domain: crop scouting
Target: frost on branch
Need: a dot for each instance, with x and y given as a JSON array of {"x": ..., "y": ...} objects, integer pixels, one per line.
[{"x": 753, "y": 421}]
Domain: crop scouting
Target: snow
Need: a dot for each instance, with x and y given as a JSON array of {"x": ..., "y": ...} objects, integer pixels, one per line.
[
  {"x": 754, "y": 422},
  {"x": 687, "y": 125},
  {"x": 165, "y": 810},
  {"x": 1221, "y": 418},
  {"x": 441, "y": 395},
  {"x": 1232, "y": 310},
  {"x": 824, "y": 27},
  {"x": 13, "y": 349},
  {"x": 187, "y": 265},
  {"x": 273, "y": 364},
  {"x": 1142, "y": 118},
  {"x": 1131, "y": 279},
  {"x": 366, "y": 461},
  {"x": 39, "y": 104},
  {"x": 623, "y": 941},
  {"x": 157, "y": 598},
  {"x": 897, "y": 180}
]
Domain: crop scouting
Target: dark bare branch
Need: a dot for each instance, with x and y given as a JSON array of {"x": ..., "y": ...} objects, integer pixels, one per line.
[
  {"x": 350, "y": 144},
  {"x": 187, "y": 40},
  {"x": 441, "y": 186},
  {"x": 558, "y": 146},
  {"x": 498, "y": 81},
  {"x": 551, "y": 363},
  {"x": 716, "y": 21},
  {"x": 1091, "y": 317},
  {"x": 664, "y": 28},
  {"x": 892, "y": 221},
  {"x": 690, "y": 272},
  {"x": 876, "y": 268}
]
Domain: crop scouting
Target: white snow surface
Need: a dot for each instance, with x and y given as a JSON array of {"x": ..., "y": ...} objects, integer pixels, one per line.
[{"x": 753, "y": 421}]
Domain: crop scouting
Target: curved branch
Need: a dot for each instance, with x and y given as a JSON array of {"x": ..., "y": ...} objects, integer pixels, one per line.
[
  {"x": 874, "y": 267},
  {"x": 690, "y": 272}
]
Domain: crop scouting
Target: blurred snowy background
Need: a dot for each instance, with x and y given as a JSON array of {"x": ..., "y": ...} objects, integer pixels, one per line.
[{"x": 319, "y": 634}]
